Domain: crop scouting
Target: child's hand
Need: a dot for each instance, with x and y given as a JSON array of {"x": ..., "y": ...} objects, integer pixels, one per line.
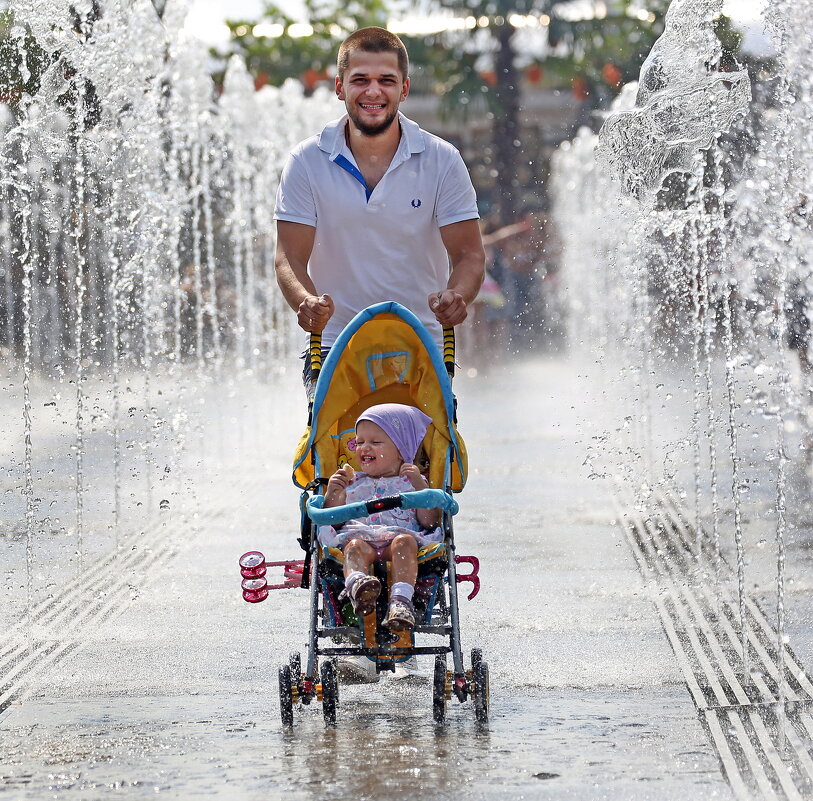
[
  {"x": 410, "y": 472},
  {"x": 340, "y": 480}
]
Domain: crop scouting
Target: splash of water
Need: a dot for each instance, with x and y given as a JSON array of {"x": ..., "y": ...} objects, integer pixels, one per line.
[
  {"x": 753, "y": 208},
  {"x": 115, "y": 346},
  {"x": 23, "y": 187},
  {"x": 79, "y": 322},
  {"x": 684, "y": 101},
  {"x": 788, "y": 181},
  {"x": 125, "y": 114}
]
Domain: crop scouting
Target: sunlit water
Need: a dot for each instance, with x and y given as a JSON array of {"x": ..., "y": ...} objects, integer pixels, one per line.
[
  {"x": 151, "y": 377},
  {"x": 695, "y": 198},
  {"x": 178, "y": 691}
]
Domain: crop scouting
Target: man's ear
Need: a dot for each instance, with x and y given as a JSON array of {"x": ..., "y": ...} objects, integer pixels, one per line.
[
  {"x": 405, "y": 90},
  {"x": 339, "y": 88}
]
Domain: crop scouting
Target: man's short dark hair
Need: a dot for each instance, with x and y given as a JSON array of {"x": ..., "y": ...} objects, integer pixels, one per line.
[{"x": 373, "y": 40}]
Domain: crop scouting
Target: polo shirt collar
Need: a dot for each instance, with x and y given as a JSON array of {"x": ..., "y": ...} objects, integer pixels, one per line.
[
  {"x": 331, "y": 139},
  {"x": 413, "y": 134}
]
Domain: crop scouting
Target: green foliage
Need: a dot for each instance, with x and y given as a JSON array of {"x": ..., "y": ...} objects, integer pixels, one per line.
[
  {"x": 452, "y": 62},
  {"x": 278, "y": 58},
  {"x": 20, "y": 72},
  {"x": 730, "y": 38},
  {"x": 603, "y": 53},
  {"x": 499, "y": 8},
  {"x": 582, "y": 49}
]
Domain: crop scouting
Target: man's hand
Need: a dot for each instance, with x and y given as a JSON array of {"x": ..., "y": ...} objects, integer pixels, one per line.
[
  {"x": 314, "y": 312},
  {"x": 448, "y": 307}
]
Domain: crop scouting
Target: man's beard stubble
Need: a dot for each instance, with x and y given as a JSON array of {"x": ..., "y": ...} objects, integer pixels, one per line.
[{"x": 372, "y": 130}]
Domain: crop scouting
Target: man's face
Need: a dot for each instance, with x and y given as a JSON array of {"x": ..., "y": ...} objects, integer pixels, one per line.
[{"x": 372, "y": 88}]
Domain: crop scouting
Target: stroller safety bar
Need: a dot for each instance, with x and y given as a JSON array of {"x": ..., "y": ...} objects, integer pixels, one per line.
[{"x": 420, "y": 499}]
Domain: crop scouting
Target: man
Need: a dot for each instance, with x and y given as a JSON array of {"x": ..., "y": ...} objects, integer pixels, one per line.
[{"x": 375, "y": 209}]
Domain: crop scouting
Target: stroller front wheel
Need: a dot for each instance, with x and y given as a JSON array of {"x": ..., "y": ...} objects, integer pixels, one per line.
[
  {"x": 482, "y": 700},
  {"x": 439, "y": 689},
  {"x": 286, "y": 700},
  {"x": 330, "y": 692},
  {"x": 295, "y": 663}
]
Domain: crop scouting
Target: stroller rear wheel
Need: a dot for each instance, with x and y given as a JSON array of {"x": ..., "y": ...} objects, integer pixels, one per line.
[
  {"x": 330, "y": 692},
  {"x": 286, "y": 701},
  {"x": 295, "y": 663},
  {"x": 481, "y": 692},
  {"x": 439, "y": 689}
]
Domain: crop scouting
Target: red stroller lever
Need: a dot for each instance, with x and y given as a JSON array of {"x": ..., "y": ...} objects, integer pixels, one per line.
[
  {"x": 292, "y": 570},
  {"x": 473, "y": 576}
]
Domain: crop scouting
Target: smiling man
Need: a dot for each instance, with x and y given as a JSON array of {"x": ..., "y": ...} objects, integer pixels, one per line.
[{"x": 374, "y": 208}]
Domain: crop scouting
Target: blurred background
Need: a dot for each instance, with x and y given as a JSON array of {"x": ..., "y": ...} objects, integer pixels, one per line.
[{"x": 645, "y": 177}]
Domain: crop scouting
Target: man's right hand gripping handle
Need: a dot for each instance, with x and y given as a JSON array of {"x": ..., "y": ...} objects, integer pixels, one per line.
[{"x": 314, "y": 312}]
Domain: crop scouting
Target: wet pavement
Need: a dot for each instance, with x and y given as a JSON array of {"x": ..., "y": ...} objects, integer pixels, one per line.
[{"x": 173, "y": 692}]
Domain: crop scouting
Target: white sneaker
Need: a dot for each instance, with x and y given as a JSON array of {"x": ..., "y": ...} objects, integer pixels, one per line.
[
  {"x": 409, "y": 670},
  {"x": 357, "y": 670}
]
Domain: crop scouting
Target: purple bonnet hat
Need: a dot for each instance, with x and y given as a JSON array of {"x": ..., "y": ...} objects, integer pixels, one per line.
[{"x": 404, "y": 425}]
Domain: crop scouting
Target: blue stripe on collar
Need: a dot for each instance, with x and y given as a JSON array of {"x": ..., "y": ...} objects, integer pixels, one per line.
[{"x": 348, "y": 166}]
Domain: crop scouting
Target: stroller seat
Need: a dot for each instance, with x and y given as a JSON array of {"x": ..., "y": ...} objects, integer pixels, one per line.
[
  {"x": 384, "y": 355},
  {"x": 381, "y": 358},
  {"x": 432, "y": 566}
]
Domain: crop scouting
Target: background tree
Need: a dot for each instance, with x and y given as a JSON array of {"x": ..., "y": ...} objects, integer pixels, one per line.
[
  {"x": 273, "y": 55},
  {"x": 22, "y": 62},
  {"x": 591, "y": 48},
  {"x": 594, "y": 49}
]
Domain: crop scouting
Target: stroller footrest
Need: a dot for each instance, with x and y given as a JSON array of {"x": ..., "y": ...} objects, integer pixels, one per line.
[
  {"x": 445, "y": 630},
  {"x": 339, "y": 631},
  {"x": 352, "y": 631},
  {"x": 380, "y": 653}
]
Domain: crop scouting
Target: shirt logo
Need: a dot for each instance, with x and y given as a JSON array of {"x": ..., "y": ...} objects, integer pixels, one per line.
[{"x": 416, "y": 203}]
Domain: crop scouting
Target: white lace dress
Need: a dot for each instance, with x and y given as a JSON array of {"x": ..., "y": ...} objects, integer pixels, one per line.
[{"x": 380, "y": 528}]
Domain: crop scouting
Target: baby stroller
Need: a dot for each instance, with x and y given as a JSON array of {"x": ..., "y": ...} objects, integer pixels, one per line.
[{"x": 384, "y": 355}]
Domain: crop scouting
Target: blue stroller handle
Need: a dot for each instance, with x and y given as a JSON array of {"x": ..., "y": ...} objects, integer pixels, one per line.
[{"x": 419, "y": 499}]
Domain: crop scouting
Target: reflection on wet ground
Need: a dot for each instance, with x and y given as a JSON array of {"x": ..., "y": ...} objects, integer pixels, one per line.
[
  {"x": 175, "y": 693},
  {"x": 562, "y": 744}
]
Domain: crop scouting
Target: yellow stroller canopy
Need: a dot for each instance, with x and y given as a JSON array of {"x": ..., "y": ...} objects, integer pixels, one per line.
[{"x": 384, "y": 355}]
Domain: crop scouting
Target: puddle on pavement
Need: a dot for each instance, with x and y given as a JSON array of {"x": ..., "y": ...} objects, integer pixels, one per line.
[{"x": 555, "y": 744}]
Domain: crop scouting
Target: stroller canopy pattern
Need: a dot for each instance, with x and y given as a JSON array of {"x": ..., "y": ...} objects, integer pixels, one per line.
[{"x": 384, "y": 355}]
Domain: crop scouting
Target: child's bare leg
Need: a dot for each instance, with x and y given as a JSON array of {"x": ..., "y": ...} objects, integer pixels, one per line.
[
  {"x": 362, "y": 588},
  {"x": 403, "y": 553},
  {"x": 358, "y": 555}
]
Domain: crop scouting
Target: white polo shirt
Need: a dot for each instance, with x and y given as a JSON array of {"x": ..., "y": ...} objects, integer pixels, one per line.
[{"x": 382, "y": 245}]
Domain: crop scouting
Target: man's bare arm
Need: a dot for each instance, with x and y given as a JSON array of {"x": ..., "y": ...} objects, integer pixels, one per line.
[
  {"x": 294, "y": 248},
  {"x": 464, "y": 245}
]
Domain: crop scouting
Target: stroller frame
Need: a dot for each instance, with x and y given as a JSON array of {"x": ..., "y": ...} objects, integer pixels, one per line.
[{"x": 442, "y": 618}]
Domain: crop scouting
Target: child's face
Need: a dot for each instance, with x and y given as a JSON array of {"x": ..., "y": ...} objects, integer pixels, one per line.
[{"x": 376, "y": 452}]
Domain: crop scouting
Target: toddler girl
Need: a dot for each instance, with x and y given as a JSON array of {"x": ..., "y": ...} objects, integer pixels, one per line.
[{"x": 388, "y": 437}]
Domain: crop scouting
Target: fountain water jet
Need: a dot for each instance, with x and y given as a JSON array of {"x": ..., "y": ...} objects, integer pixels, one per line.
[
  {"x": 725, "y": 191},
  {"x": 119, "y": 167}
]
